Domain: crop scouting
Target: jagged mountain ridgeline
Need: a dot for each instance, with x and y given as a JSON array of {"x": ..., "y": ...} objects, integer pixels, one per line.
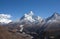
[{"x": 30, "y": 26}]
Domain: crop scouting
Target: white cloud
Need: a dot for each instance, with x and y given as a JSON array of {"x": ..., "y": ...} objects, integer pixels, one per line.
[{"x": 5, "y": 18}]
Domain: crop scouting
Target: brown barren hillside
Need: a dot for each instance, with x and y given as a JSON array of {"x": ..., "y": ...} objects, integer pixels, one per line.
[{"x": 5, "y": 34}]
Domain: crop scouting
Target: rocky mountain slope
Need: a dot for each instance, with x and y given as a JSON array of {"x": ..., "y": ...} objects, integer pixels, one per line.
[{"x": 5, "y": 34}]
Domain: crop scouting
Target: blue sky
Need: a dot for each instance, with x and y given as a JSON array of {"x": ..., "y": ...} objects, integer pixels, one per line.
[{"x": 17, "y": 8}]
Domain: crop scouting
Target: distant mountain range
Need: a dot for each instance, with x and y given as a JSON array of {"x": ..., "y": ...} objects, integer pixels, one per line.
[
  {"x": 29, "y": 18},
  {"x": 31, "y": 24},
  {"x": 31, "y": 21}
]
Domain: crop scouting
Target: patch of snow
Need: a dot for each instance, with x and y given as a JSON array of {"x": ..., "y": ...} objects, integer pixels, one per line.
[{"x": 21, "y": 26}]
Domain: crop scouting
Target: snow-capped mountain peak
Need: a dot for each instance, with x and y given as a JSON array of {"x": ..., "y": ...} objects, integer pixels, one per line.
[
  {"x": 30, "y": 14},
  {"x": 30, "y": 17},
  {"x": 55, "y": 15},
  {"x": 54, "y": 18}
]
